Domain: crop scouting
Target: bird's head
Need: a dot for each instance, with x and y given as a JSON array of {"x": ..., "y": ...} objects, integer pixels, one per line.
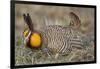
[{"x": 31, "y": 37}]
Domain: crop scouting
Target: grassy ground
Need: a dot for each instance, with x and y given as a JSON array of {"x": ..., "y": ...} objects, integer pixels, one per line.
[
  {"x": 54, "y": 15},
  {"x": 27, "y": 56}
]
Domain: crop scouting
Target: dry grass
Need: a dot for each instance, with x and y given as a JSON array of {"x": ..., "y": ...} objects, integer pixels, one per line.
[{"x": 27, "y": 56}]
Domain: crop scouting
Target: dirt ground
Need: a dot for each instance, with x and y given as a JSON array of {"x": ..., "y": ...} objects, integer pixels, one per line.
[{"x": 54, "y": 15}]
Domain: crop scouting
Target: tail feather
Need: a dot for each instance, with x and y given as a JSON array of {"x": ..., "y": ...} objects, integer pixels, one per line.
[{"x": 75, "y": 21}]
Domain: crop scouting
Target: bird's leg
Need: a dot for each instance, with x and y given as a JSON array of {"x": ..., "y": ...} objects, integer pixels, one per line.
[
  {"x": 56, "y": 56},
  {"x": 48, "y": 54}
]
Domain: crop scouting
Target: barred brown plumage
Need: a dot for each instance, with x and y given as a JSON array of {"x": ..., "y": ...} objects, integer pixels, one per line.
[{"x": 58, "y": 39}]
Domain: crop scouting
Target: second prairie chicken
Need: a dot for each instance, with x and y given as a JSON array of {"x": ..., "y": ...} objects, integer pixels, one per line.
[{"x": 53, "y": 39}]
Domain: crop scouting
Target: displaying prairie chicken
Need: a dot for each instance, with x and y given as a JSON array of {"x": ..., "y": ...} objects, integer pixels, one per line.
[{"x": 53, "y": 39}]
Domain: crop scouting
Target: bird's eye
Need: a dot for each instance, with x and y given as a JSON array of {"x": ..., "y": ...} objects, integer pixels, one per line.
[{"x": 26, "y": 32}]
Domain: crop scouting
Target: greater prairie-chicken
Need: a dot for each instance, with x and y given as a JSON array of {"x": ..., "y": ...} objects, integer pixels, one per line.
[{"x": 53, "y": 39}]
